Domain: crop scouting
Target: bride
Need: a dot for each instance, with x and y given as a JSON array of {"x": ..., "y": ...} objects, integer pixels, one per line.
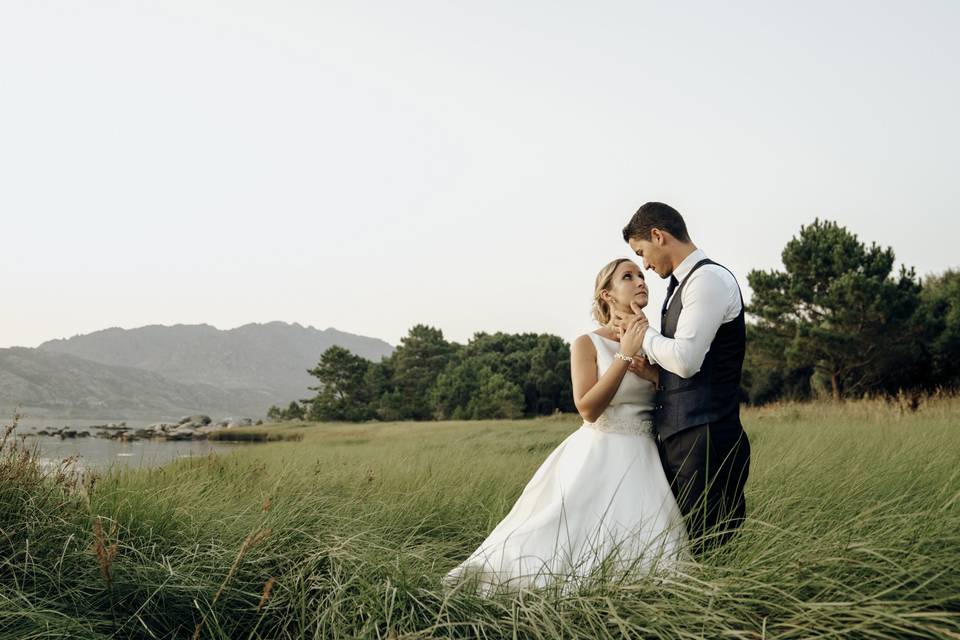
[{"x": 600, "y": 502}]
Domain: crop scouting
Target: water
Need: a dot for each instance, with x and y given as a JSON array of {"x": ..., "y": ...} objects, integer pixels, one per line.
[
  {"x": 29, "y": 424},
  {"x": 102, "y": 453}
]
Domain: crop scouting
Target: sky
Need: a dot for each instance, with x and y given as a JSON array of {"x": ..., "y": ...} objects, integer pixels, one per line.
[{"x": 371, "y": 166}]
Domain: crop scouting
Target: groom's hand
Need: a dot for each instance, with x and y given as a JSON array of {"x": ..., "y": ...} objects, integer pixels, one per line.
[
  {"x": 622, "y": 319},
  {"x": 644, "y": 369},
  {"x": 643, "y": 322}
]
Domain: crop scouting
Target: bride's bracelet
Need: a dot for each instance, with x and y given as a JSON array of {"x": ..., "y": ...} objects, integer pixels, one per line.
[{"x": 620, "y": 356}]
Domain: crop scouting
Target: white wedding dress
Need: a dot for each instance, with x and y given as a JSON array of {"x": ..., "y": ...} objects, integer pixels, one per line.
[{"x": 600, "y": 497}]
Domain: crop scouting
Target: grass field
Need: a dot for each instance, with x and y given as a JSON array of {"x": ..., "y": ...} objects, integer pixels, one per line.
[{"x": 853, "y": 531}]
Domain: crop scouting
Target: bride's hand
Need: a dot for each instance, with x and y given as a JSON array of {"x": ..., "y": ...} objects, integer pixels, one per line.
[{"x": 631, "y": 335}]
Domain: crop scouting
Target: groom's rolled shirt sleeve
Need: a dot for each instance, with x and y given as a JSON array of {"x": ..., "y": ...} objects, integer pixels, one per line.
[{"x": 704, "y": 307}]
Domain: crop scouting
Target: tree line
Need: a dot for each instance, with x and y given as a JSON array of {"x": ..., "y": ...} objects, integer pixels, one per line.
[
  {"x": 497, "y": 375},
  {"x": 837, "y": 321}
]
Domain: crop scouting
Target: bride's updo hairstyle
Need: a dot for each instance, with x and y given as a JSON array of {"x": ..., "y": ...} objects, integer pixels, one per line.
[{"x": 601, "y": 308}]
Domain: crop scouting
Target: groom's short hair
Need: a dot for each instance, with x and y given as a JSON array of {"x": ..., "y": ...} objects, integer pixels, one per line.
[{"x": 656, "y": 215}]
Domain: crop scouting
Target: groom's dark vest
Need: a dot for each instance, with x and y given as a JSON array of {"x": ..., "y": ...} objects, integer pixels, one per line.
[{"x": 712, "y": 395}]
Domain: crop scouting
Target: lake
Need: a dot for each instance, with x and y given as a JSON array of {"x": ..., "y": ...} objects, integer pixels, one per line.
[{"x": 102, "y": 453}]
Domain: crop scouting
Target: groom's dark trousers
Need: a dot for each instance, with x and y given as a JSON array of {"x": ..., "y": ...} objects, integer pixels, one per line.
[{"x": 707, "y": 466}]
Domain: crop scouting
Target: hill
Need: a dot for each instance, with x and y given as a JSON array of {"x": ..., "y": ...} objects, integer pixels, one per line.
[
  {"x": 270, "y": 358},
  {"x": 46, "y": 383},
  {"x": 165, "y": 371}
]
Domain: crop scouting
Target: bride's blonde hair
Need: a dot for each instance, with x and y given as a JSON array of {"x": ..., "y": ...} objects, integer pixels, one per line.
[{"x": 601, "y": 308}]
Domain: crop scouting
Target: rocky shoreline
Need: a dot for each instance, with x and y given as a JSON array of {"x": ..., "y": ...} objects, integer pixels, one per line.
[{"x": 198, "y": 427}]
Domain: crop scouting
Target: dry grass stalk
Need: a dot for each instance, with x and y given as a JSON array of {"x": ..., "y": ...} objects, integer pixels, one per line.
[
  {"x": 253, "y": 538},
  {"x": 267, "y": 587},
  {"x": 105, "y": 552}
]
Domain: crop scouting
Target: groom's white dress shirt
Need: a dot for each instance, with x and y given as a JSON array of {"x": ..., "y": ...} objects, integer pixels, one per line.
[{"x": 710, "y": 298}]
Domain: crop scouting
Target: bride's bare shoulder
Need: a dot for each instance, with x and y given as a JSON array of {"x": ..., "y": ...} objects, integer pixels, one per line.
[{"x": 583, "y": 344}]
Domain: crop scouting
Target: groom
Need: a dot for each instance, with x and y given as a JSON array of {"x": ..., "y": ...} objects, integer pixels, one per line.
[{"x": 700, "y": 349}]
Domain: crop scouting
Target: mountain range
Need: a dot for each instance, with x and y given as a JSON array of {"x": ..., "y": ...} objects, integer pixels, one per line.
[{"x": 160, "y": 372}]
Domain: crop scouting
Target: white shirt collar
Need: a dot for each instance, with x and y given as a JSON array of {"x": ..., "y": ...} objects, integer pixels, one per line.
[{"x": 683, "y": 269}]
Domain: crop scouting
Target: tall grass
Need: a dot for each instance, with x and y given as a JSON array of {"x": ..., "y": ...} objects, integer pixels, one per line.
[
  {"x": 256, "y": 435},
  {"x": 853, "y": 531}
]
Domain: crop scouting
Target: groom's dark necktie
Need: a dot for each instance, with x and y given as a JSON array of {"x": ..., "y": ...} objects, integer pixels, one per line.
[{"x": 670, "y": 289}]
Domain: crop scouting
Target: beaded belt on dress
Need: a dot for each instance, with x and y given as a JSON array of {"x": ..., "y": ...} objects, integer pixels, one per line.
[{"x": 622, "y": 424}]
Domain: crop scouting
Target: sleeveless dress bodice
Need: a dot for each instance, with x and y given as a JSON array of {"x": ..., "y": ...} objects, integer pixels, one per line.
[{"x": 631, "y": 408}]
